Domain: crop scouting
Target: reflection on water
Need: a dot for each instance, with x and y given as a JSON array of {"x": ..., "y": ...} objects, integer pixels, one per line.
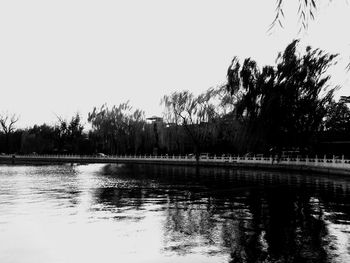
[{"x": 145, "y": 213}]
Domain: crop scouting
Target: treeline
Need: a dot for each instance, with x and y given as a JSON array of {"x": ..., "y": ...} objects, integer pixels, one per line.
[{"x": 287, "y": 106}]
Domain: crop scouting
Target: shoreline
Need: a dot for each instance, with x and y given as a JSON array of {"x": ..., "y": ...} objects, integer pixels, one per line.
[{"x": 326, "y": 167}]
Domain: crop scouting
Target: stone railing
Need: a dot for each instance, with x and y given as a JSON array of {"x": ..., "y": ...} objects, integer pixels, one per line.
[{"x": 334, "y": 162}]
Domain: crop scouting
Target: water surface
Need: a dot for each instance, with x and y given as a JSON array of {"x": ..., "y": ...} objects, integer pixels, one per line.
[{"x": 146, "y": 213}]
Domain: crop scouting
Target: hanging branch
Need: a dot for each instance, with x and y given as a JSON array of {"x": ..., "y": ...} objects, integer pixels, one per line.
[
  {"x": 278, "y": 17},
  {"x": 306, "y": 12}
]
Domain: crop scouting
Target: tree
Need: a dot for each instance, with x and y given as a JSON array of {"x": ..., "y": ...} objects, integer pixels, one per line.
[
  {"x": 69, "y": 134},
  {"x": 75, "y": 133},
  {"x": 252, "y": 88},
  {"x": 282, "y": 106},
  {"x": 39, "y": 139},
  {"x": 7, "y": 122},
  {"x": 117, "y": 128},
  {"x": 181, "y": 109},
  {"x": 337, "y": 118},
  {"x": 194, "y": 114},
  {"x": 306, "y": 13}
]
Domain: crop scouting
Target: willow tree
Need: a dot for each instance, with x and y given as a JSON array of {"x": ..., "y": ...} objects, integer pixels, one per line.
[
  {"x": 117, "y": 128},
  {"x": 194, "y": 114},
  {"x": 284, "y": 105},
  {"x": 306, "y": 12}
]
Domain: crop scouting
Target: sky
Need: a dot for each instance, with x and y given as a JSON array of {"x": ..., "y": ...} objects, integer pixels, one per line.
[{"x": 59, "y": 58}]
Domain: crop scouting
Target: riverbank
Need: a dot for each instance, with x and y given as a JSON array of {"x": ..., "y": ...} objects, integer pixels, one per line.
[{"x": 314, "y": 165}]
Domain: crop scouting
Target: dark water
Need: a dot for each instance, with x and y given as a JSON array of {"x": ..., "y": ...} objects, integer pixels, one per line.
[{"x": 109, "y": 213}]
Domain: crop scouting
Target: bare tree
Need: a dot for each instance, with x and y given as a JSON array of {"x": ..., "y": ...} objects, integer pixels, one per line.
[{"x": 7, "y": 122}]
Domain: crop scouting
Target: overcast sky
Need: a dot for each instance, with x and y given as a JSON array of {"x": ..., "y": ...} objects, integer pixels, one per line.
[{"x": 63, "y": 57}]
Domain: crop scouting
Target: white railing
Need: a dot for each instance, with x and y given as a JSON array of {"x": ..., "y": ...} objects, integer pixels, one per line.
[{"x": 325, "y": 162}]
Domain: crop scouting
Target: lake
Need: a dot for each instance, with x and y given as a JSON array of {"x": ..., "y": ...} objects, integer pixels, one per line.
[{"x": 149, "y": 213}]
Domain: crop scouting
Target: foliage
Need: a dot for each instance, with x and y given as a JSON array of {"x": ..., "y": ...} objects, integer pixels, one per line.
[
  {"x": 282, "y": 105},
  {"x": 287, "y": 105},
  {"x": 117, "y": 128},
  {"x": 193, "y": 113},
  {"x": 337, "y": 118},
  {"x": 40, "y": 139},
  {"x": 70, "y": 134},
  {"x": 306, "y": 12}
]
